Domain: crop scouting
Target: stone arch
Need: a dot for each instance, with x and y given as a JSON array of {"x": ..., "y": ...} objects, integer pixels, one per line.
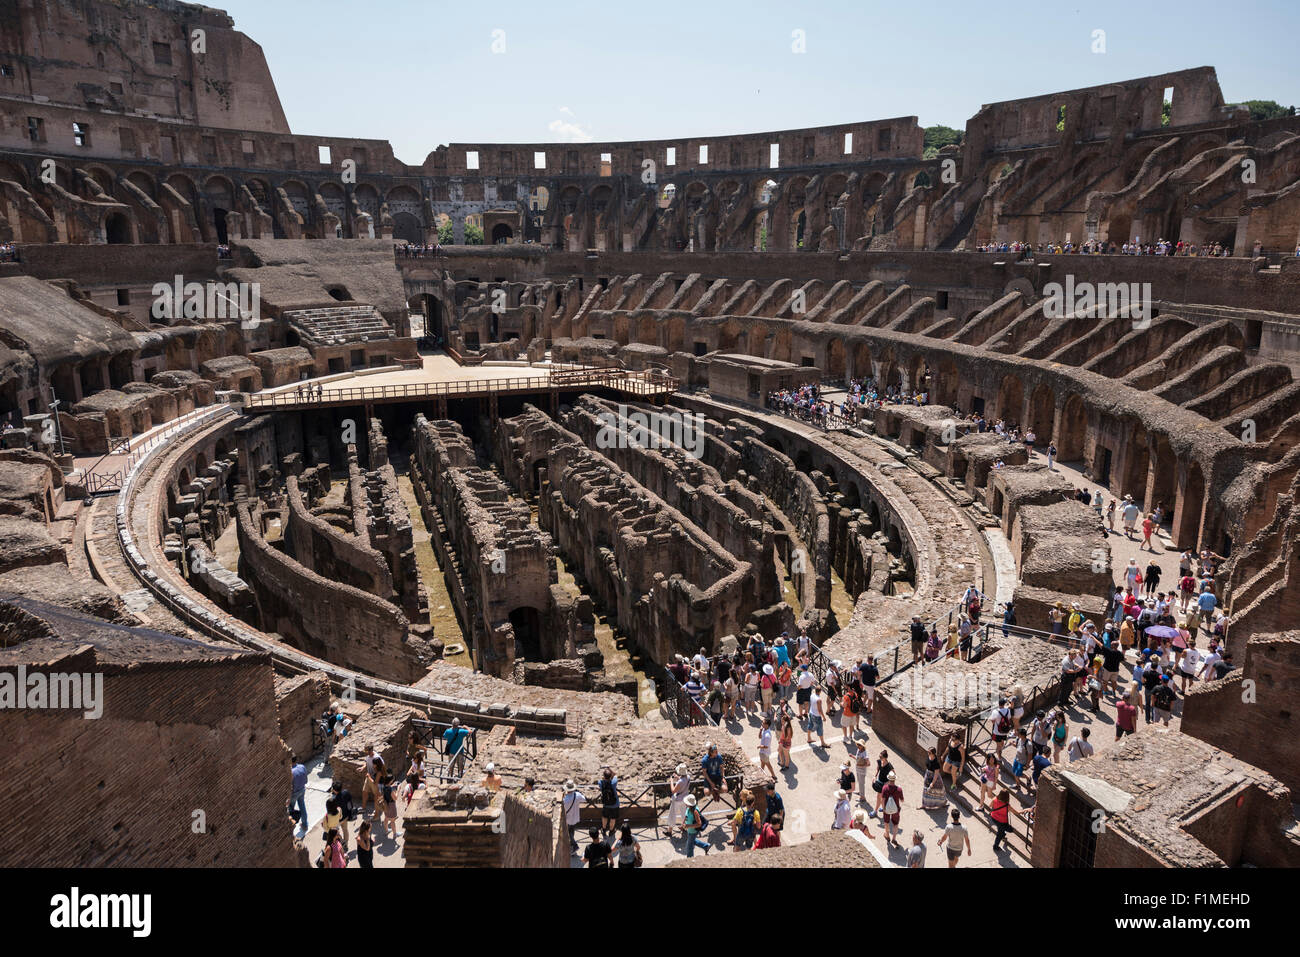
[
  {"x": 1137, "y": 463},
  {"x": 835, "y": 360},
  {"x": 143, "y": 182},
  {"x": 947, "y": 383},
  {"x": 862, "y": 368},
  {"x": 117, "y": 229},
  {"x": 1011, "y": 400},
  {"x": 1191, "y": 506},
  {"x": 1042, "y": 408},
  {"x": 502, "y": 234},
  {"x": 1074, "y": 430}
]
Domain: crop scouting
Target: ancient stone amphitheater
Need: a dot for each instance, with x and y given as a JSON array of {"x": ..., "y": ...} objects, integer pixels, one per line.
[{"x": 269, "y": 446}]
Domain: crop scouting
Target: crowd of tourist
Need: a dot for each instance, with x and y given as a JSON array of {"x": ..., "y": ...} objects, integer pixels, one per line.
[
  {"x": 417, "y": 250},
  {"x": 9, "y": 253},
  {"x": 862, "y": 396},
  {"x": 1161, "y": 247}
]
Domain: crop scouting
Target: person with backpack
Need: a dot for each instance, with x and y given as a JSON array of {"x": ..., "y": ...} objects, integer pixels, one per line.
[
  {"x": 1001, "y": 812},
  {"x": 744, "y": 823},
  {"x": 1003, "y": 723},
  {"x": 852, "y": 708},
  {"x": 627, "y": 851},
  {"x": 891, "y": 804},
  {"x": 692, "y": 824},
  {"x": 347, "y": 808},
  {"x": 608, "y": 785},
  {"x": 597, "y": 852},
  {"x": 883, "y": 770},
  {"x": 1163, "y": 697}
]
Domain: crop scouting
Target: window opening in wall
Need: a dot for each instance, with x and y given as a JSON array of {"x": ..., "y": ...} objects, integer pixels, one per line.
[
  {"x": 539, "y": 161},
  {"x": 671, "y": 159},
  {"x": 81, "y": 134},
  {"x": 848, "y": 143},
  {"x": 774, "y": 155},
  {"x": 704, "y": 154},
  {"x": 471, "y": 159}
]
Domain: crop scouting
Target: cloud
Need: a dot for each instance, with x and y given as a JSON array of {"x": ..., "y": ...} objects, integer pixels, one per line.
[
  {"x": 567, "y": 132},
  {"x": 565, "y": 110}
]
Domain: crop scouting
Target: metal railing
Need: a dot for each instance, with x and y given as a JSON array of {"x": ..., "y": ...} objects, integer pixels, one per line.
[
  {"x": 656, "y": 797},
  {"x": 620, "y": 379},
  {"x": 449, "y": 767},
  {"x": 682, "y": 709}
]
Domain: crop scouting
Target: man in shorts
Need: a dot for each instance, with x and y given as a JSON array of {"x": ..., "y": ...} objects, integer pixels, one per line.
[
  {"x": 870, "y": 675},
  {"x": 803, "y": 690},
  {"x": 918, "y": 639},
  {"x": 891, "y": 796},
  {"x": 954, "y": 836}
]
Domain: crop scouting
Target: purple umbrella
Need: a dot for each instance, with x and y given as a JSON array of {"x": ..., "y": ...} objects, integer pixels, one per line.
[{"x": 1163, "y": 631}]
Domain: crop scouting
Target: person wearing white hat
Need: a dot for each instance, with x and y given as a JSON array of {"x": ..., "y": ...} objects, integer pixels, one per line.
[
  {"x": 692, "y": 824},
  {"x": 679, "y": 787},
  {"x": 491, "y": 780},
  {"x": 843, "y": 811},
  {"x": 891, "y": 804},
  {"x": 572, "y": 801},
  {"x": 767, "y": 685}
]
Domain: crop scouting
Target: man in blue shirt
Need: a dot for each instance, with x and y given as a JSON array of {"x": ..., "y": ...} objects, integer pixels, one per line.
[
  {"x": 298, "y": 791},
  {"x": 453, "y": 744},
  {"x": 782, "y": 653},
  {"x": 774, "y": 803},
  {"x": 712, "y": 765},
  {"x": 1207, "y": 603}
]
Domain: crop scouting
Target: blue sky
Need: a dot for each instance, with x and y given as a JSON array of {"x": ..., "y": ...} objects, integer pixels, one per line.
[{"x": 424, "y": 73}]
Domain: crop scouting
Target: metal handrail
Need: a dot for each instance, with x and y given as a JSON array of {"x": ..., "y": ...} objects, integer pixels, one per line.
[
  {"x": 562, "y": 379},
  {"x": 682, "y": 706}
]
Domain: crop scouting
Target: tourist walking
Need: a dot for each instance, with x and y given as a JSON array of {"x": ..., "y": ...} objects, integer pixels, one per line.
[{"x": 955, "y": 836}]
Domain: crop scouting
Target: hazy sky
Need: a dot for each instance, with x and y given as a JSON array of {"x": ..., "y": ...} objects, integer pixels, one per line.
[{"x": 422, "y": 74}]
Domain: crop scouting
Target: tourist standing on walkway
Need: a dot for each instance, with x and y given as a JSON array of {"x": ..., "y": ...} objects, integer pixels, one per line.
[
  {"x": 816, "y": 717},
  {"x": 298, "y": 792},
  {"x": 597, "y": 852},
  {"x": 627, "y": 851},
  {"x": 388, "y": 794},
  {"x": 365, "y": 846},
  {"x": 784, "y": 742},
  {"x": 765, "y": 748},
  {"x": 347, "y": 809},
  {"x": 955, "y": 758},
  {"x": 609, "y": 798},
  {"x": 572, "y": 801},
  {"x": 679, "y": 785},
  {"x": 712, "y": 765},
  {"x": 744, "y": 823},
  {"x": 843, "y": 812},
  {"x": 916, "y": 853}
]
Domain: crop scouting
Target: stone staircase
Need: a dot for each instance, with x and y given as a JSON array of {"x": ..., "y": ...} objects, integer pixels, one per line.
[{"x": 336, "y": 325}]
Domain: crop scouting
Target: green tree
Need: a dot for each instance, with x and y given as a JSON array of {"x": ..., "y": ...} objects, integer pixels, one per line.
[
  {"x": 937, "y": 137},
  {"x": 1267, "y": 109},
  {"x": 446, "y": 235},
  {"x": 473, "y": 235},
  {"x": 1166, "y": 111}
]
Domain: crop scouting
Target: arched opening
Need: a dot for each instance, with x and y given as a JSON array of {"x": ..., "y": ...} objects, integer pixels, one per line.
[
  {"x": 1191, "y": 504},
  {"x": 835, "y": 361},
  {"x": 339, "y": 293},
  {"x": 1011, "y": 400},
  {"x": 1164, "y": 477},
  {"x": 862, "y": 361},
  {"x": 502, "y": 234},
  {"x": 406, "y": 228},
  {"x": 803, "y": 461},
  {"x": 1135, "y": 471},
  {"x": 117, "y": 231},
  {"x": 528, "y": 633},
  {"x": 1042, "y": 408},
  {"x": 1074, "y": 430}
]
